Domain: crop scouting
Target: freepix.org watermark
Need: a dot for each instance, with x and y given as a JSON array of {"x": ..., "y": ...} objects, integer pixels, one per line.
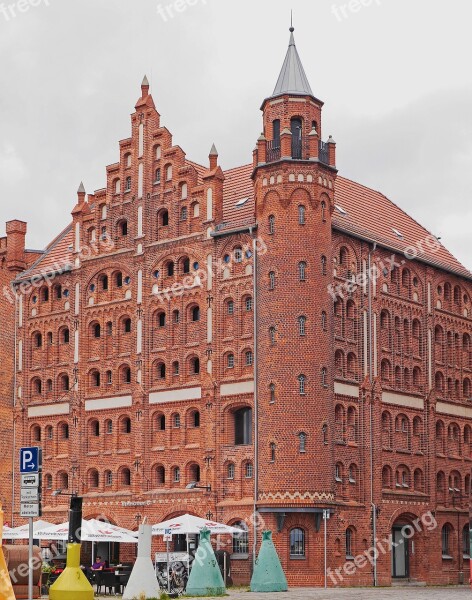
[
  {"x": 426, "y": 522},
  {"x": 13, "y": 10},
  {"x": 344, "y": 11},
  {"x": 169, "y": 11}
]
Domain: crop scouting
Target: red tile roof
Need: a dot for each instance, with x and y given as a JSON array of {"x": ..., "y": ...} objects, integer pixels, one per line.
[
  {"x": 368, "y": 215},
  {"x": 57, "y": 256},
  {"x": 372, "y": 216}
]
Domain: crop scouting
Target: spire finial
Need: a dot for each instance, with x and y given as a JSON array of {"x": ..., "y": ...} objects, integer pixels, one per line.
[
  {"x": 145, "y": 87},
  {"x": 292, "y": 28}
]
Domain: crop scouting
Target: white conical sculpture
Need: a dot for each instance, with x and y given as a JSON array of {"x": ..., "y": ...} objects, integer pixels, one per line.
[{"x": 143, "y": 578}]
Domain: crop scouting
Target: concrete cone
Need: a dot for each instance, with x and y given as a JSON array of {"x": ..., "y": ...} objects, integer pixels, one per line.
[
  {"x": 205, "y": 577},
  {"x": 143, "y": 580},
  {"x": 268, "y": 574}
]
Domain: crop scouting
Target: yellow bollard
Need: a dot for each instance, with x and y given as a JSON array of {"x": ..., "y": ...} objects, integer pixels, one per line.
[
  {"x": 6, "y": 588},
  {"x": 71, "y": 583}
]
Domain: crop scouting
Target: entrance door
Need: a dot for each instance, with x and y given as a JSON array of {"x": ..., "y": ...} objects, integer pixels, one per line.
[{"x": 400, "y": 554}]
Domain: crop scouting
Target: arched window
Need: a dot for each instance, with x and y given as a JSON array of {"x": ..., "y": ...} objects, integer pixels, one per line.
[
  {"x": 349, "y": 543},
  {"x": 176, "y": 421},
  {"x": 272, "y": 335},
  {"x": 158, "y": 152},
  {"x": 103, "y": 280},
  {"x": 159, "y": 475},
  {"x": 466, "y": 541},
  {"x": 123, "y": 228},
  {"x": 97, "y": 330},
  {"x": 302, "y": 385},
  {"x": 127, "y": 325},
  {"x": 297, "y": 543},
  {"x": 125, "y": 425},
  {"x": 248, "y": 358},
  {"x": 195, "y": 209},
  {"x": 186, "y": 265},
  {"x": 164, "y": 218},
  {"x": 272, "y": 393},
  {"x": 248, "y": 470},
  {"x": 125, "y": 477},
  {"x": 108, "y": 478},
  {"x": 170, "y": 269},
  {"x": 161, "y": 319},
  {"x": 323, "y": 211},
  {"x": 230, "y": 361},
  {"x": 302, "y": 271},
  {"x": 176, "y": 475},
  {"x": 271, "y": 280},
  {"x": 195, "y": 313},
  {"x": 324, "y": 377},
  {"x": 169, "y": 173},
  {"x": 323, "y": 321},
  {"x": 94, "y": 479},
  {"x": 241, "y": 540},
  {"x": 273, "y": 450},
  {"x": 302, "y": 325},
  {"x": 176, "y": 368},
  {"x": 128, "y": 184},
  {"x": 65, "y": 384},
  {"x": 230, "y": 471},
  {"x": 446, "y": 535},
  {"x": 301, "y": 215},
  {"x": 243, "y": 427},
  {"x": 161, "y": 370},
  {"x": 195, "y": 366},
  {"x": 38, "y": 340},
  {"x": 36, "y": 433},
  {"x": 195, "y": 419},
  {"x": 96, "y": 378},
  {"x": 386, "y": 478},
  {"x": 302, "y": 442},
  {"x": 271, "y": 224},
  {"x": 157, "y": 176},
  {"x": 126, "y": 375},
  {"x": 183, "y": 213}
]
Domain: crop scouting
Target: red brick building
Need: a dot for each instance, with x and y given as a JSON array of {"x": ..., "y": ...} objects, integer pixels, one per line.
[{"x": 282, "y": 336}]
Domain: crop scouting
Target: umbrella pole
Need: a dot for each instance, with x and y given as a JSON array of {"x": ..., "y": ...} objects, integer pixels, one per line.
[{"x": 188, "y": 556}]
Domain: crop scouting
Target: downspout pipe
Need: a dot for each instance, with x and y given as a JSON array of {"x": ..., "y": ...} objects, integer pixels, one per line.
[
  {"x": 256, "y": 399},
  {"x": 371, "y": 418}
]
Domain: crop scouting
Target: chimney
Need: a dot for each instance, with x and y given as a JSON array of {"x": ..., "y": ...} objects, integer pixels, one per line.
[{"x": 16, "y": 233}]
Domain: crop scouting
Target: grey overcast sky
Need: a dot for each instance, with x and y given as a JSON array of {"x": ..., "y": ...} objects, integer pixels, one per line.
[{"x": 394, "y": 74}]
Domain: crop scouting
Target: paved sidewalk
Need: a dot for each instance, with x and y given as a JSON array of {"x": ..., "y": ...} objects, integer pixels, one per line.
[{"x": 396, "y": 593}]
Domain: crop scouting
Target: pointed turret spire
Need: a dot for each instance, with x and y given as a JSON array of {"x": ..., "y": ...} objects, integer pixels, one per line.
[
  {"x": 213, "y": 156},
  {"x": 145, "y": 87},
  {"x": 292, "y": 78},
  {"x": 81, "y": 189}
]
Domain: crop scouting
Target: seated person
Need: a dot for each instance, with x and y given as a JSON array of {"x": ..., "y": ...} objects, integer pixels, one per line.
[{"x": 98, "y": 565}]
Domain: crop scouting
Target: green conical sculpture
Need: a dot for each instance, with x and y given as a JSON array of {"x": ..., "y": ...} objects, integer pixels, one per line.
[
  {"x": 268, "y": 574},
  {"x": 205, "y": 577}
]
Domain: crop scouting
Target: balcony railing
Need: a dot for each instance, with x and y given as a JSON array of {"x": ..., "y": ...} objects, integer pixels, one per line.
[
  {"x": 273, "y": 151},
  {"x": 300, "y": 150}
]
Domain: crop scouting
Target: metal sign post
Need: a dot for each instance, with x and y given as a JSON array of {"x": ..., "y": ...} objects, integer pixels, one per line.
[
  {"x": 326, "y": 516},
  {"x": 30, "y": 498}
]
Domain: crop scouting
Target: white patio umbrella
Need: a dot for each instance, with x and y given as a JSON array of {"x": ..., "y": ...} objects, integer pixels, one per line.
[
  {"x": 188, "y": 524},
  {"x": 92, "y": 531},
  {"x": 22, "y": 532}
]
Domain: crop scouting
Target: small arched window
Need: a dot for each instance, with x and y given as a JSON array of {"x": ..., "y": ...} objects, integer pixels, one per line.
[
  {"x": 248, "y": 358},
  {"x": 271, "y": 224},
  {"x": 297, "y": 543},
  {"x": 324, "y": 377},
  {"x": 169, "y": 173},
  {"x": 195, "y": 366},
  {"x": 176, "y": 475},
  {"x": 323, "y": 321},
  {"x": 302, "y": 271},
  {"x": 302, "y": 385},
  {"x": 349, "y": 543},
  {"x": 301, "y": 215},
  {"x": 164, "y": 218},
  {"x": 195, "y": 313},
  {"x": 157, "y": 176},
  {"x": 230, "y": 471},
  {"x": 127, "y": 325},
  {"x": 302, "y": 442},
  {"x": 126, "y": 477},
  {"x": 302, "y": 326},
  {"x": 123, "y": 226},
  {"x": 323, "y": 265},
  {"x": 446, "y": 534},
  {"x": 128, "y": 184},
  {"x": 273, "y": 451},
  {"x": 323, "y": 211},
  {"x": 230, "y": 361},
  {"x": 272, "y": 393},
  {"x": 271, "y": 280}
]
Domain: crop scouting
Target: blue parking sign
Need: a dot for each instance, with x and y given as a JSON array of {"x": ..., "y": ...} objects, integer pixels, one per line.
[{"x": 30, "y": 460}]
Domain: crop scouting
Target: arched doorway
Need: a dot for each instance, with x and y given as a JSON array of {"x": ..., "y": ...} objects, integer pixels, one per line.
[{"x": 407, "y": 539}]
